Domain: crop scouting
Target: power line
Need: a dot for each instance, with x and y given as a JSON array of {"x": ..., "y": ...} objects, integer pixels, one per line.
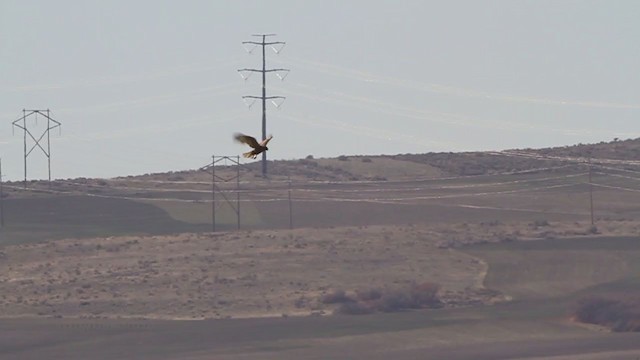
[
  {"x": 437, "y": 88},
  {"x": 286, "y": 194},
  {"x": 320, "y": 198},
  {"x": 264, "y": 96},
  {"x": 317, "y": 187}
]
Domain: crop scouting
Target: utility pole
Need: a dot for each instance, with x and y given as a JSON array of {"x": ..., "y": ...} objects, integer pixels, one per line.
[
  {"x": 290, "y": 205},
  {"x": 264, "y": 96},
  {"x": 591, "y": 190},
  {"x": 51, "y": 124},
  {"x": 1, "y": 198},
  {"x": 213, "y": 193}
]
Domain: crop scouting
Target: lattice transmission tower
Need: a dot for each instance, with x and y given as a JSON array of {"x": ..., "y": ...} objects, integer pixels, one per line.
[
  {"x": 21, "y": 123},
  {"x": 215, "y": 179},
  {"x": 274, "y": 45}
]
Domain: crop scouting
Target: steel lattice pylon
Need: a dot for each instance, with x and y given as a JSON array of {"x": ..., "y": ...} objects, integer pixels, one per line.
[
  {"x": 51, "y": 124},
  {"x": 211, "y": 168}
]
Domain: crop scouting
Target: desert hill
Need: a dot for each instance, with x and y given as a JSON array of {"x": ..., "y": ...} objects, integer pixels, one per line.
[
  {"x": 519, "y": 185},
  {"x": 487, "y": 249},
  {"x": 399, "y": 166},
  {"x": 428, "y": 165}
]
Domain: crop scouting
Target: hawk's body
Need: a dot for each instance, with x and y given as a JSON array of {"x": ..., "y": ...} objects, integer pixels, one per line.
[{"x": 258, "y": 147}]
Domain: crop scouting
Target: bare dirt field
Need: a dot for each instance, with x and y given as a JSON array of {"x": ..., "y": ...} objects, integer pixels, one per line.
[
  {"x": 261, "y": 273},
  {"x": 275, "y": 273}
]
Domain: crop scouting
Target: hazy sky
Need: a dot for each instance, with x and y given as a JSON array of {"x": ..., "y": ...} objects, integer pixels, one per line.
[{"x": 151, "y": 86}]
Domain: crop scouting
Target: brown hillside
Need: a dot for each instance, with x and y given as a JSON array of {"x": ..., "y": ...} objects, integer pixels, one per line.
[{"x": 428, "y": 165}]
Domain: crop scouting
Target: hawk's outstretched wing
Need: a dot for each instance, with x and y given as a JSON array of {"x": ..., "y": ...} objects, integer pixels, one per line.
[
  {"x": 266, "y": 141},
  {"x": 246, "y": 139}
]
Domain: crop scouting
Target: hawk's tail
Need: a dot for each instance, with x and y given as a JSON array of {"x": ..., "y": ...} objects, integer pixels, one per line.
[{"x": 248, "y": 154}]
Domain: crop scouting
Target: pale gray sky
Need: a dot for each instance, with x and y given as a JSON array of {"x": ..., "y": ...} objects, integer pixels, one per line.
[{"x": 150, "y": 86}]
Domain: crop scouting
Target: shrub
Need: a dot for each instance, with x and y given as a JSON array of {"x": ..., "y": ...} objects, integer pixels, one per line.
[
  {"x": 366, "y": 160},
  {"x": 354, "y": 308},
  {"x": 369, "y": 295},
  {"x": 300, "y": 302},
  {"x": 426, "y": 294},
  {"x": 307, "y": 162},
  {"x": 417, "y": 296},
  {"x": 617, "y": 313},
  {"x": 343, "y": 158},
  {"x": 335, "y": 297},
  {"x": 539, "y": 223},
  {"x": 395, "y": 300}
]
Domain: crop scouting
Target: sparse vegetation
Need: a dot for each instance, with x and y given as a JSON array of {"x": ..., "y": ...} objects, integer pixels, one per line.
[
  {"x": 335, "y": 297},
  {"x": 354, "y": 308},
  {"x": 540, "y": 223},
  {"x": 369, "y": 294},
  {"x": 416, "y": 296},
  {"x": 618, "y": 313}
]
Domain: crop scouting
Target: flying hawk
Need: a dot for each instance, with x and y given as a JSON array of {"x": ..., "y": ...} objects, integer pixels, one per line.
[{"x": 258, "y": 147}]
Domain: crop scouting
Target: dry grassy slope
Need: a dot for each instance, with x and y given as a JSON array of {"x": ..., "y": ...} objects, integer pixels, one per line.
[
  {"x": 213, "y": 276},
  {"x": 475, "y": 163},
  {"x": 395, "y": 167},
  {"x": 261, "y": 273},
  {"x": 352, "y": 168},
  {"x": 428, "y": 165},
  {"x": 619, "y": 149}
]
